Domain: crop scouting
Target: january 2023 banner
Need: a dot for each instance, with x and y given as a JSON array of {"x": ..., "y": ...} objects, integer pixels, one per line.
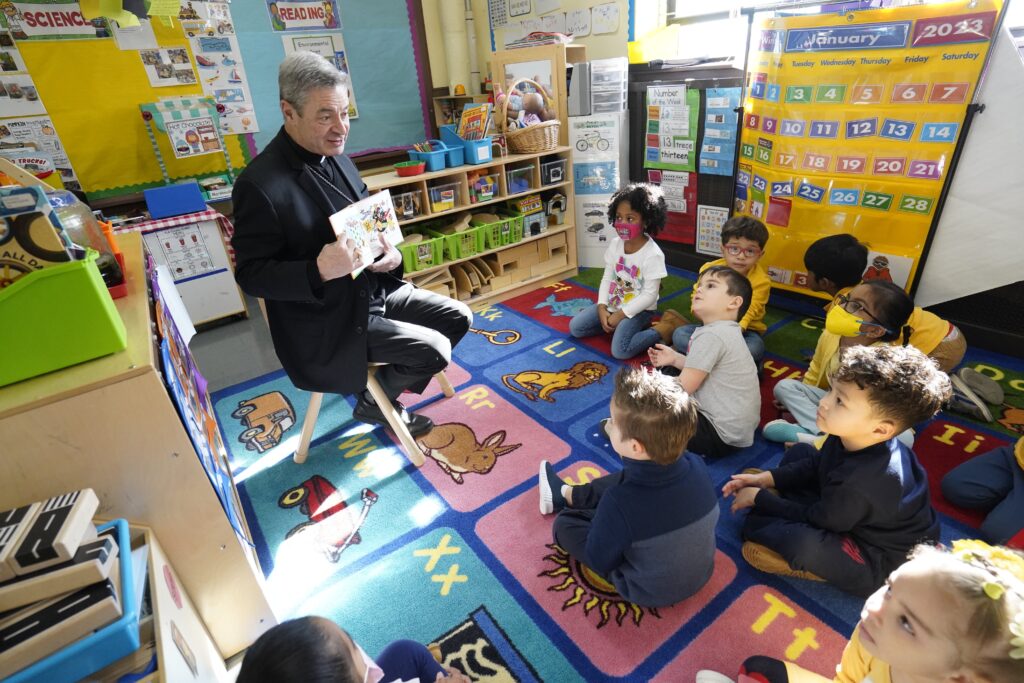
[{"x": 850, "y": 122}]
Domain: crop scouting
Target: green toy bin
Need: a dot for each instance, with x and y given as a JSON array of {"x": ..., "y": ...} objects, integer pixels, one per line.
[
  {"x": 508, "y": 230},
  {"x": 420, "y": 255},
  {"x": 55, "y": 317},
  {"x": 460, "y": 244}
]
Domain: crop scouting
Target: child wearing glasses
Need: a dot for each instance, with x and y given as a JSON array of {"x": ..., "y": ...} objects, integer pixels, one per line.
[
  {"x": 743, "y": 240},
  {"x": 849, "y": 512},
  {"x": 835, "y": 264},
  {"x": 874, "y": 313},
  {"x": 627, "y": 297}
]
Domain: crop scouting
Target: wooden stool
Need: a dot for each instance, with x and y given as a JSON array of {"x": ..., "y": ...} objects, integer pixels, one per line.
[{"x": 391, "y": 414}]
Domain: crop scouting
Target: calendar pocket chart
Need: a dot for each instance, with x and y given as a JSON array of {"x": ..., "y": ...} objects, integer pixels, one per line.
[{"x": 851, "y": 120}]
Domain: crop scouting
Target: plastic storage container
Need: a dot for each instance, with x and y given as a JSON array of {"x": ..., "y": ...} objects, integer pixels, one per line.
[
  {"x": 434, "y": 159},
  {"x": 484, "y": 188},
  {"x": 444, "y": 197},
  {"x": 520, "y": 179},
  {"x": 55, "y": 317},
  {"x": 507, "y": 230},
  {"x": 552, "y": 172},
  {"x": 84, "y": 230},
  {"x": 475, "y": 151},
  {"x": 460, "y": 244},
  {"x": 408, "y": 204},
  {"x": 423, "y": 254}
]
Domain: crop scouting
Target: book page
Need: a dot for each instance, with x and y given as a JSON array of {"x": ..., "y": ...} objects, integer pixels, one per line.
[{"x": 364, "y": 220}]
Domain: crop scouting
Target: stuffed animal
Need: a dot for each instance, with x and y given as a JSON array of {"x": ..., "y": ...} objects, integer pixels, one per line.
[{"x": 515, "y": 107}]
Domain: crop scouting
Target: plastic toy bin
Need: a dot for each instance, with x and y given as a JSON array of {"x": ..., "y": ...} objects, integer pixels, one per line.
[
  {"x": 108, "y": 644},
  {"x": 552, "y": 172},
  {"x": 508, "y": 230},
  {"x": 408, "y": 204},
  {"x": 56, "y": 317},
  {"x": 443, "y": 197},
  {"x": 484, "y": 188},
  {"x": 435, "y": 159},
  {"x": 520, "y": 179},
  {"x": 423, "y": 254},
  {"x": 475, "y": 151},
  {"x": 460, "y": 244}
]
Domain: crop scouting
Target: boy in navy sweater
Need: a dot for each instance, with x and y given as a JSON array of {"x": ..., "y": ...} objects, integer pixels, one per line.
[
  {"x": 849, "y": 514},
  {"x": 650, "y": 528}
]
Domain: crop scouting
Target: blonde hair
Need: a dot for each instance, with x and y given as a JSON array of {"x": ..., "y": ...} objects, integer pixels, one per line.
[{"x": 991, "y": 597}]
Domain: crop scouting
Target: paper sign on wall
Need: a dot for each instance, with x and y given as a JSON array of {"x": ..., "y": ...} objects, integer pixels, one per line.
[
  {"x": 192, "y": 137},
  {"x": 19, "y": 96},
  {"x": 518, "y": 8},
  {"x": 10, "y": 56},
  {"x": 289, "y": 15},
  {"x": 50, "y": 20},
  {"x": 605, "y": 18},
  {"x": 498, "y": 11},
  {"x": 710, "y": 220},
  {"x": 39, "y": 133},
  {"x": 670, "y": 137},
  {"x": 577, "y": 22},
  {"x": 168, "y": 66},
  {"x": 330, "y": 46}
]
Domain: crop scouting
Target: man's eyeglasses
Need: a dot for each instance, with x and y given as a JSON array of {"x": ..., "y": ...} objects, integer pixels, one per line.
[
  {"x": 853, "y": 307},
  {"x": 749, "y": 252}
]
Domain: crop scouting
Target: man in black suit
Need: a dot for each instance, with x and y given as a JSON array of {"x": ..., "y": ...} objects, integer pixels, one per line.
[{"x": 326, "y": 325}]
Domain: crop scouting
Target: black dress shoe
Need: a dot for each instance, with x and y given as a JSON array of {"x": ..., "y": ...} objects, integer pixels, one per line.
[{"x": 370, "y": 413}]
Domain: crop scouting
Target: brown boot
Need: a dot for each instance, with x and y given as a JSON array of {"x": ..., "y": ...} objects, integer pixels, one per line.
[
  {"x": 670, "y": 321},
  {"x": 767, "y": 560}
]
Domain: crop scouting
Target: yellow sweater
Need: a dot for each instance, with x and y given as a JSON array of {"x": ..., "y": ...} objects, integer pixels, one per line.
[
  {"x": 927, "y": 329},
  {"x": 753, "y": 320},
  {"x": 860, "y": 667},
  {"x": 826, "y": 359},
  {"x": 1019, "y": 452}
]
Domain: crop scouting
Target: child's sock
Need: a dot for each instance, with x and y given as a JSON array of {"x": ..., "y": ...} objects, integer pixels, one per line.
[{"x": 552, "y": 489}]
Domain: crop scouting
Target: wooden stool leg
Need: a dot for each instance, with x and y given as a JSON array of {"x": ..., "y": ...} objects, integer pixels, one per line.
[
  {"x": 394, "y": 419},
  {"x": 307, "y": 427},
  {"x": 446, "y": 386}
]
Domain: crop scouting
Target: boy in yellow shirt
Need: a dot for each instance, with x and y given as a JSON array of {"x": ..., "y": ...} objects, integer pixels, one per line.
[{"x": 743, "y": 241}]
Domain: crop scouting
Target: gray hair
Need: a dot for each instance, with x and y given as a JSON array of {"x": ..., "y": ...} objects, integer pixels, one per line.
[{"x": 302, "y": 72}]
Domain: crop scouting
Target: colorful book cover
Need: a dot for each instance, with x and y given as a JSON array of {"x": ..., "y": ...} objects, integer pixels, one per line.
[
  {"x": 365, "y": 219},
  {"x": 474, "y": 121}
]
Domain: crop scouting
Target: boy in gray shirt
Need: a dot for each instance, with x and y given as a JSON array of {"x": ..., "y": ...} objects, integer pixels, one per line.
[{"x": 717, "y": 369}]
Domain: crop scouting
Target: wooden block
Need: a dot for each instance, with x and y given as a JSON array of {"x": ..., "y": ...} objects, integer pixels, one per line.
[
  {"x": 62, "y": 524},
  {"x": 463, "y": 286},
  {"x": 555, "y": 262},
  {"x": 91, "y": 564},
  {"x": 29, "y": 634},
  {"x": 13, "y": 525}
]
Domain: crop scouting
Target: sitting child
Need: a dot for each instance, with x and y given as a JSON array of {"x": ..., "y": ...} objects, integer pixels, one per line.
[
  {"x": 994, "y": 483},
  {"x": 743, "y": 240},
  {"x": 649, "y": 529},
  {"x": 849, "y": 514},
  {"x": 943, "y": 617},
  {"x": 874, "y": 313},
  {"x": 316, "y": 650},
  {"x": 627, "y": 297},
  {"x": 718, "y": 370}
]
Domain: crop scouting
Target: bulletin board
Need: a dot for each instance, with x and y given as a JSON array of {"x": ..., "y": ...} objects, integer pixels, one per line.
[
  {"x": 850, "y": 125},
  {"x": 92, "y": 91}
]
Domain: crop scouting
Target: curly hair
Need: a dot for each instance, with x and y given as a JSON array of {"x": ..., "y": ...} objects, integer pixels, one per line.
[
  {"x": 840, "y": 258},
  {"x": 903, "y": 384},
  {"x": 656, "y": 411},
  {"x": 981, "y": 625},
  {"x": 745, "y": 227},
  {"x": 647, "y": 200}
]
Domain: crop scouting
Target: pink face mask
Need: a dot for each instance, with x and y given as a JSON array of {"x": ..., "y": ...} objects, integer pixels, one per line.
[{"x": 628, "y": 231}]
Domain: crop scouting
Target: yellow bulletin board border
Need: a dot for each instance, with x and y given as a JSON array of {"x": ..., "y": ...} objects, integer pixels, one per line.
[
  {"x": 92, "y": 92},
  {"x": 853, "y": 122}
]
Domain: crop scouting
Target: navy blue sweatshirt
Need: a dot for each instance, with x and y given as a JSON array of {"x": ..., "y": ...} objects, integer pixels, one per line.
[
  {"x": 877, "y": 495},
  {"x": 653, "y": 534}
]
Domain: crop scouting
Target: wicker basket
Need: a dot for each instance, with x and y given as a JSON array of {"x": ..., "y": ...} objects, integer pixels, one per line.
[{"x": 540, "y": 137}]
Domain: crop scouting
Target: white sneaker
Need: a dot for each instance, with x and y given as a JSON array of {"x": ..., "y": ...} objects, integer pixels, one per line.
[{"x": 709, "y": 676}]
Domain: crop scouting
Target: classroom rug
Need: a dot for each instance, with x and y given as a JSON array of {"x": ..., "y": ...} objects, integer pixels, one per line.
[{"x": 456, "y": 552}]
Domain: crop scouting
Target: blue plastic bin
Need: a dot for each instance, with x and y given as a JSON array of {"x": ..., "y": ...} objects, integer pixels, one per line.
[
  {"x": 475, "y": 151},
  {"x": 105, "y": 646},
  {"x": 435, "y": 159}
]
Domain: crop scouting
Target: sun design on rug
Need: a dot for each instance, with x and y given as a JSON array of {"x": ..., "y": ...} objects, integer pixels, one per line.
[{"x": 590, "y": 590}]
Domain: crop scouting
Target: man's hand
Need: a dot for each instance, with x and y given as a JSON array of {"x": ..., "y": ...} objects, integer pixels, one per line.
[
  {"x": 602, "y": 316},
  {"x": 391, "y": 258},
  {"x": 338, "y": 259},
  {"x": 662, "y": 356},
  {"x": 761, "y": 480},
  {"x": 615, "y": 318},
  {"x": 744, "y": 498}
]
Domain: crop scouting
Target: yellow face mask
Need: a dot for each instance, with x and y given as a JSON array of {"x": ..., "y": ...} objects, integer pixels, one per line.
[{"x": 838, "y": 321}]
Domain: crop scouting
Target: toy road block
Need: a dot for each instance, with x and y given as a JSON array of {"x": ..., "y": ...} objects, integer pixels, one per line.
[
  {"x": 62, "y": 524},
  {"x": 13, "y": 525}
]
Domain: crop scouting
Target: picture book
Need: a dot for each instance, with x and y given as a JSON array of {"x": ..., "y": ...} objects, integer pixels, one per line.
[
  {"x": 364, "y": 220},
  {"x": 474, "y": 121}
]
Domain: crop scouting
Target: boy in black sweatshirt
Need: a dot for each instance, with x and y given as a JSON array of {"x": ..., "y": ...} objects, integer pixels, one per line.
[
  {"x": 650, "y": 528},
  {"x": 849, "y": 514}
]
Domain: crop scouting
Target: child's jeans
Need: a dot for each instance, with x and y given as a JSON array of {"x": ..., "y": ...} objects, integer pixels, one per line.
[
  {"x": 632, "y": 335},
  {"x": 994, "y": 483},
  {"x": 802, "y": 401},
  {"x": 681, "y": 341}
]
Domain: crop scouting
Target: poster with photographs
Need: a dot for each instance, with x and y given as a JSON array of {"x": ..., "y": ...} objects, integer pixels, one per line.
[
  {"x": 167, "y": 66},
  {"x": 38, "y": 133},
  {"x": 219, "y": 62},
  {"x": 192, "y": 137},
  {"x": 10, "y": 57},
  {"x": 331, "y": 47},
  {"x": 19, "y": 96}
]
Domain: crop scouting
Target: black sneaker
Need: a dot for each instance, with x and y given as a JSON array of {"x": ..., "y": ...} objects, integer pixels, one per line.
[
  {"x": 967, "y": 402},
  {"x": 370, "y": 413},
  {"x": 550, "y": 486}
]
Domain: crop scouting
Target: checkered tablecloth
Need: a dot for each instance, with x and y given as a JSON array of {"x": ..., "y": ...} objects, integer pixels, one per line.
[{"x": 224, "y": 223}]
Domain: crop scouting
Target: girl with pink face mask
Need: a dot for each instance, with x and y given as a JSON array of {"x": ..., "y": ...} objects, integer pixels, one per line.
[{"x": 627, "y": 297}]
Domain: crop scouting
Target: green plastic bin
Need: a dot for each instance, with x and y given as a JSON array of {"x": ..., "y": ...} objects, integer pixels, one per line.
[
  {"x": 420, "y": 255},
  {"x": 508, "y": 230},
  {"x": 460, "y": 244},
  {"x": 55, "y": 317}
]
